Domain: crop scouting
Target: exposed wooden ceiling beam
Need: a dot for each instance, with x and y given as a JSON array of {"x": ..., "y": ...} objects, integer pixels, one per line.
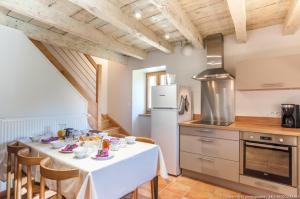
[
  {"x": 41, "y": 12},
  {"x": 65, "y": 41},
  {"x": 174, "y": 13},
  {"x": 237, "y": 10},
  {"x": 292, "y": 20},
  {"x": 107, "y": 11}
]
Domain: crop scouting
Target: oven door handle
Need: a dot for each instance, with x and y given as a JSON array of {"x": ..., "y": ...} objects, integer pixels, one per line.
[{"x": 267, "y": 146}]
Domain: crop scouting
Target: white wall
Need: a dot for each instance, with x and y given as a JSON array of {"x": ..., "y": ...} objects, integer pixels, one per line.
[
  {"x": 184, "y": 67},
  {"x": 35, "y": 97},
  {"x": 262, "y": 43},
  {"x": 30, "y": 85},
  {"x": 139, "y": 103},
  {"x": 268, "y": 45},
  {"x": 119, "y": 92}
]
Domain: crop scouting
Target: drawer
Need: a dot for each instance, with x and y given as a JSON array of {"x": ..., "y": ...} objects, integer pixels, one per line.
[
  {"x": 213, "y": 133},
  {"x": 220, "y": 168},
  {"x": 220, "y": 148}
]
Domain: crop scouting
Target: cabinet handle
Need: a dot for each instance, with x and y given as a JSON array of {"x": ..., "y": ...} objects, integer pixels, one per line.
[
  {"x": 206, "y": 159},
  {"x": 204, "y": 130},
  {"x": 258, "y": 183},
  {"x": 205, "y": 140}
]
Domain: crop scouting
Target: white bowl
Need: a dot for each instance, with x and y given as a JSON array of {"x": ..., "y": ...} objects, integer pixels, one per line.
[
  {"x": 80, "y": 152},
  {"x": 103, "y": 134},
  {"x": 35, "y": 138},
  {"x": 130, "y": 139},
  {"x": 57, "y": 144}
]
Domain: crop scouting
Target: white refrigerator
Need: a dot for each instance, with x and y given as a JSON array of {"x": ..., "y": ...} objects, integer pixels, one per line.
[{"x": 164, "y": 121}]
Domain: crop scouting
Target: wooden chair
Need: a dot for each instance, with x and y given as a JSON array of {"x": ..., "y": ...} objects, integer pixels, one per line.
[
  {"x": 154, "y": 181},
  {"x": 117, "y": 135},
  {"x": 145, "y": 139},
  {"x": 25, "y": 158},
  {"x": 53, "y": 174},
  {"x": 12, "y": 150},
  {"x": 94, "y": 131}
]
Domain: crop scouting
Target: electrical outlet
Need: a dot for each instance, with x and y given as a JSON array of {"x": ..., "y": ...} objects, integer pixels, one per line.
[{"x": 274, "y": 114}]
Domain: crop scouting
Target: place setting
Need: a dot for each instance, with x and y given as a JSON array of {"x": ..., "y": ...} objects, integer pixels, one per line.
[{"x": 84, "y": 144}]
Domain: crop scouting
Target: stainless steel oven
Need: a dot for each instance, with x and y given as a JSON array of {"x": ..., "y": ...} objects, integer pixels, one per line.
[{"x": 269, "y": 157}]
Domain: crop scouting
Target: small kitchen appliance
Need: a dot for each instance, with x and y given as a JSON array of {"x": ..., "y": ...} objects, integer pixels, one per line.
[{"x": 290, "y": 116}]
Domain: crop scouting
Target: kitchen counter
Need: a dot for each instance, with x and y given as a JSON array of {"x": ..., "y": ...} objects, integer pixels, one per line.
[{"x": 248, "y": 126}]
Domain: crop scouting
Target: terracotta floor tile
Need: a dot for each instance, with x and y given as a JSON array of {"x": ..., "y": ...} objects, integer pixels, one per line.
[
  {"x": 163, "y": 183},
  {"x": 225, "y": 192},
  {"x": 204, "y": 186},
  {"x": 144, "y": 192},
  {"x": 185, "y": 188},
  {"x": 178, "y": 187},
  {"x": 166, "y": 194},
  {"x": 197, "y": 194},
  {"x": 186, "y": 181},
  {"x": 146, "y": 186}
]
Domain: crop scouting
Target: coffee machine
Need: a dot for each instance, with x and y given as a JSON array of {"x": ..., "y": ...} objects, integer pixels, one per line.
[{"x": 290, "y": 116}]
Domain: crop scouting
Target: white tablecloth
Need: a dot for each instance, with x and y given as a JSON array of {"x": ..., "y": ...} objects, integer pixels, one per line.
[{"x": 106, "y": 179}]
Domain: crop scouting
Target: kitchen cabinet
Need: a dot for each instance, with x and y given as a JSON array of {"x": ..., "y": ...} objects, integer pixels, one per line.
[
  {"x": 268, "y": 73},
  {"x": 213, "y": 152}
]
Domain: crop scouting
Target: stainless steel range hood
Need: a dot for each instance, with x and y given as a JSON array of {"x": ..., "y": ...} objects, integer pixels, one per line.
[
  {"x": 217, "y": 86},
  {"x": 215, "y": 60}
]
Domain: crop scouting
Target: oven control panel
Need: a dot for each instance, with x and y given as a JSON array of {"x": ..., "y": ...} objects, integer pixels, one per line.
[{"x": 270, "y": 138}]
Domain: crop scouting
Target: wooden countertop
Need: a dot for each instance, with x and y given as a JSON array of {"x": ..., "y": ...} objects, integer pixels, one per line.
[{"x": 259, "y": 127}]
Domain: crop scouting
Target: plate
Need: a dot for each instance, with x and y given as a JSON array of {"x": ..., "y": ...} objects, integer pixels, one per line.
[
  {"x": 103, "y": 158},
  {"x": 61, "y": 150}
]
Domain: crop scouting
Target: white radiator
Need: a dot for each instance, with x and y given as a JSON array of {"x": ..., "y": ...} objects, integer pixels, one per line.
[{"x": 13, "y": 128}]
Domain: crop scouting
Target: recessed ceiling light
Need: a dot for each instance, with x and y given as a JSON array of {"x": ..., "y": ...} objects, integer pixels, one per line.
[
  {"x": 137, "y": 14},
  {"x": 167, "y": 36}
]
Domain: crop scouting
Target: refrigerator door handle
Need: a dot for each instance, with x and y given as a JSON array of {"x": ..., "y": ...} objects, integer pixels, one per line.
[{"x": 160, "y": 108}]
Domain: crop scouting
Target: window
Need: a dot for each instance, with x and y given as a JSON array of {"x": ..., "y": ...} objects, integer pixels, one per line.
[{"x": 153, "y": 79}]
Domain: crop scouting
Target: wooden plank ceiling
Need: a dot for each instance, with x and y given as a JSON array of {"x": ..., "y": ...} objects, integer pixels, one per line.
[{"x": 181, "y": 20}]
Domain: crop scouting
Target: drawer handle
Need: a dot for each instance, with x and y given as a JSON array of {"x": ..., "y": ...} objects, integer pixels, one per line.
[
  {"x": 271, "y": 85},
  {"x": 205, "y": 140},
  {"x": 205, "y": 130},
  {"x": 206, "y": 159},
  {"x": 266, "y": 185}
]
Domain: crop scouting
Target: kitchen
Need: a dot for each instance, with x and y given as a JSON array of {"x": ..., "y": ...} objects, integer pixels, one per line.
[
  {"x": 229, "y": 70},
  {"x": 249, "y": 154}
]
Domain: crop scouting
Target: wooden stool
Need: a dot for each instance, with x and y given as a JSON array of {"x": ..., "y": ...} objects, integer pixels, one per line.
[
  {"x": 12, "y": 150},
  {"x": 58, "y": 175},
  {"x": 154, "y": 181},
  {"x": 25, "y": 158}
]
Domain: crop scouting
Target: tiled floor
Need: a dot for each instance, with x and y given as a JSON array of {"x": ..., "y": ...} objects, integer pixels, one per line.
[{"x": 186, "y": 188}]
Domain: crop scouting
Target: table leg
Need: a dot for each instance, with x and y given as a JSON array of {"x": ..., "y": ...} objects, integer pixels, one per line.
[{"x": 154, "y": 187}]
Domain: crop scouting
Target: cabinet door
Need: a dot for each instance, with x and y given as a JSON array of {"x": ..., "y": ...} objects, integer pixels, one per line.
[
  {"x": 220, "y": 168},
  {"x": 219, "y": 148},
  {"x": 268, "y": 73}
]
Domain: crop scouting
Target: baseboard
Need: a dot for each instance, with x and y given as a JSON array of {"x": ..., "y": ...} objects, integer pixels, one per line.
[{"x": 228, "y": 184}]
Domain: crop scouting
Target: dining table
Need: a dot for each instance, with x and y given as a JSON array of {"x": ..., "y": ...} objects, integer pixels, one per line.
[{"x": 112, "y": 178}]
